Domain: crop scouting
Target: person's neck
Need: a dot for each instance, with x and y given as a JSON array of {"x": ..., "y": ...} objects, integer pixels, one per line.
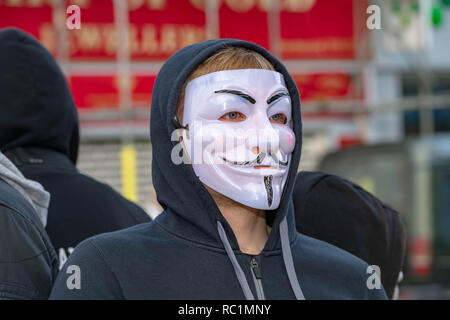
[{"x": 248, "y": 224}]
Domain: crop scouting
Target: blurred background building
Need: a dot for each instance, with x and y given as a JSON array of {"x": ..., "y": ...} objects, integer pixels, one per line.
[{"x": 375, "y": 89}]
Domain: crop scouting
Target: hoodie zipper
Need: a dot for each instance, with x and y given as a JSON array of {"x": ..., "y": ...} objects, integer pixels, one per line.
[{"x": 257, "y": 278}]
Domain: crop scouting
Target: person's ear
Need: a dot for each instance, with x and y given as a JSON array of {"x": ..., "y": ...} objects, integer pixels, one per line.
[{"x": 176, "y": 123}]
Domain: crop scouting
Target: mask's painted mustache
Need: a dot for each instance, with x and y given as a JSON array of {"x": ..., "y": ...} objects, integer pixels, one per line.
[{"x": 258, "y": 160}]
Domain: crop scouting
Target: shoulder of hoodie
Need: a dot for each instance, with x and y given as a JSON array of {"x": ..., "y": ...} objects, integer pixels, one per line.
[
  {"x": 19, "y": 221},
  {"x": 80, "y": 183},
  {"x": 12, "y": 202},
  {"x": 339, "y": 185},
  {"x": 314, "y": 256},
  {"x": 138, "y": 239},
  {"x": 145, "y": 240},
  {"x": 108, "y": 192},
  {"x": 145, "y": 236},
  {"x": 108, "y": 251},
  {"x": 310, "y": 250},
  {"x": 102, "y": 260}
]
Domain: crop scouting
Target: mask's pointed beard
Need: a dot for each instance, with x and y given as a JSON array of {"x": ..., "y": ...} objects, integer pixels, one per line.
[{"x": 269, "y": 190}]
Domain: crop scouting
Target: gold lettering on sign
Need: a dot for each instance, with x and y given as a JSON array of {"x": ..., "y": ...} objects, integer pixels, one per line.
[
  {"x": 81, "y": 3},
  {"x": 41, "y": 3},
  {"x": 14, "y": 3},
  {"x": 156, "y": 4},
  {"x": 150, "y": 4},
  {"x": 297, "y": 5},
  {"x": 89, "y": 37},
  {"x": 263, "y": 5},
  {"x": 98, "y": 38},
  {"x": 168, "y": 39},
  {"x": 47, "y": 37},
  {"x": 332, "y": 82},
  {"x": 240, "y": 5},
  {"x": 133, "y": 38},
  {"x": 135, "y": 4},
  {"x": 314, "y": 46},
  {"x": 189, "y": 35},
  {"x": 149, "y": 40},
  {"x": 35, "y": 3},
  {"x": 109, "y": 34},
  {"x": 199, "y": 4}
]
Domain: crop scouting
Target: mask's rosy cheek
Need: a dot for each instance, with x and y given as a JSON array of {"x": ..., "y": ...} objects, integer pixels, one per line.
[{"x": 287, "y": 141}]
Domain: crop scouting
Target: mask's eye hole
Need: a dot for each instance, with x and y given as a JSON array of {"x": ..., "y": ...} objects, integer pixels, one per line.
[
  {"x": 233, "y": 116},
  {"x": 278, "y": 118}
]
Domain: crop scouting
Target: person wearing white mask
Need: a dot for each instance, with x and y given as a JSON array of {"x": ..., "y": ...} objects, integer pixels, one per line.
[{"x": 226, "y": 138}]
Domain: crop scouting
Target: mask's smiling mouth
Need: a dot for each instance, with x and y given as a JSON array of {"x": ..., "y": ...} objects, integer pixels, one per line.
[{"x": 257, "y": 162}]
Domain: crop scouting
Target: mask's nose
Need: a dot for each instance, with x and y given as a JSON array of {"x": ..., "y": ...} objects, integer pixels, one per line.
[
  {"x": 264, "y": 139},
  {"x": 269, "y": 141}
]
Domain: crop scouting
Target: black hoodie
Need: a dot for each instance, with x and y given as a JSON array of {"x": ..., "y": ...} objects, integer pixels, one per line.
[
  {"x": 190, "y": 251},
  {"x": 340, "y": 212},
  {"x": 39, "y": 134}
]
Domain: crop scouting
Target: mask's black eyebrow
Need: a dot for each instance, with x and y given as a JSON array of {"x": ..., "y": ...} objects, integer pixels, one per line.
[
  {"x": 238, "y": 93},
  {"x": 276, "y": 97}
]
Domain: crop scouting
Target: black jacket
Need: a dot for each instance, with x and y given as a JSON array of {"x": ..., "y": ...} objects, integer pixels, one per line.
[
  {"x": 190, "y": 251},
  {"x": 340, "y": 212},
  {"x": 28, "y": 262},
  {"x": 80, "y": 206},
  {"x": 39, "y": 134}
]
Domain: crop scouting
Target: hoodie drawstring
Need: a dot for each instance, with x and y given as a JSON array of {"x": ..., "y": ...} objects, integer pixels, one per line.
[
  {"x": 287, "y": 258},
  {"x": 237, "y": 268},
  {"x": 288, "y": 261}
]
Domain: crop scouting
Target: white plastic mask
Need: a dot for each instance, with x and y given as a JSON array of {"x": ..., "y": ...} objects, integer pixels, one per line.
[{"x": 239, "y": 135}]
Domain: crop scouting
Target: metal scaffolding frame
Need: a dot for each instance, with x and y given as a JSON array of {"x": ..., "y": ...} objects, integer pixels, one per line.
[{"x": 124, "y": 68}]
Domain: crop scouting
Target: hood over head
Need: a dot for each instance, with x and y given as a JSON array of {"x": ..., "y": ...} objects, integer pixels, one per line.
[
  {"x": 36, "y": 106},
  {"x": 177, "y": 186},
  {"x": 190, "y": 210},
  {"x": 339, "y": 212}
]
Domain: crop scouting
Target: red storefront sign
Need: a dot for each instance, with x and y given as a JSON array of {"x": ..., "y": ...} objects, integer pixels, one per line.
[
  {"x": 98, "y": 92},
  {"x": 321, "y": 29},
  {"x": 32, "y": 17},
  {"x": 101, "y": 91},
  {"x": 308, "y": 29},
  {"x": 157, "y": 28},
  {"x": 328, "y": 86},
  {"x": 244, "y": 20}
]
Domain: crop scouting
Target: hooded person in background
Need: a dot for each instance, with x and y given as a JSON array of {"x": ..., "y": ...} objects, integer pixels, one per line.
[
  {"x": 39, "y": 134},
  {"x": 340, "y": 212},
  {"x": 28, "y": 262},
  {"x": 228, "y": 228}
]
